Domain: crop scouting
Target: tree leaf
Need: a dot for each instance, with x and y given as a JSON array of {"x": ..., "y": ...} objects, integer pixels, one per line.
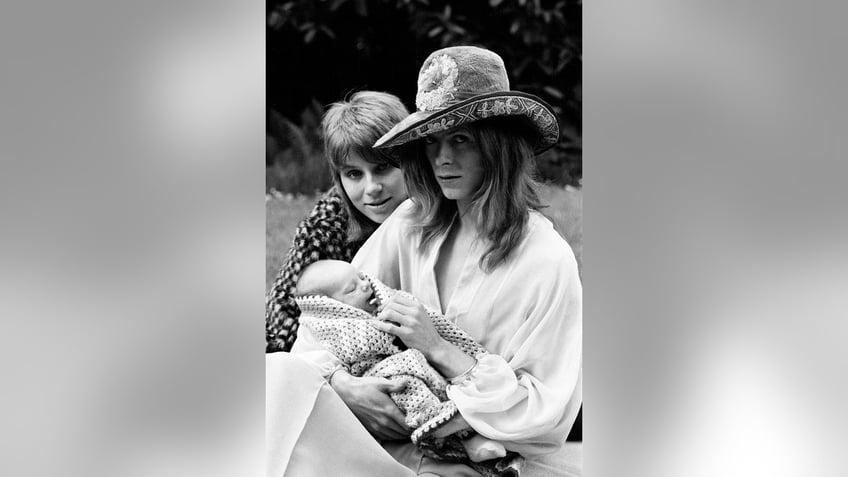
[
  {"x": 553, "y": 92},
  {"x": 456, "y": 29},
  {"x": 275, "y": 19},
  {"x": 435, "y": 31},
  {"x": 328, "y": 32}
]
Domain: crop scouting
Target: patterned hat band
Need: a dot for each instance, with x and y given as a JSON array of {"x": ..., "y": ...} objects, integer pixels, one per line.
[{"x": 531, "y": 109}]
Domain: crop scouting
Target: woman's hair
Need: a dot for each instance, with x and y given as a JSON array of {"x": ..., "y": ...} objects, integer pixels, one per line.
[
  {"x": 353, "y": 126},
  {"x": 504, "y": 199}
]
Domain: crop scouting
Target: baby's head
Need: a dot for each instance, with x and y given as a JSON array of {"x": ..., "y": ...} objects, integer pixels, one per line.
[{"x": 338, "y": 280}]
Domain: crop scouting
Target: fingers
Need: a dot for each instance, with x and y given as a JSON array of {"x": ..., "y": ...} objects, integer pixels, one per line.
[
  {"x": 397, "y": 307},
  {"x": 404, "y": 308},
  {"x": 370, "y": 401},
  {"x": 385, "y": 326},
  {"x": 398, "y": 422},
  {"x": 390, "y": 425},
  {"x": 401, "y": 317},
  {"x": 400, "y": 299},
  {"x": 392, "y": 386},
  {"x": 391, "y": 412},
  {"x": 403, "y": 299}
]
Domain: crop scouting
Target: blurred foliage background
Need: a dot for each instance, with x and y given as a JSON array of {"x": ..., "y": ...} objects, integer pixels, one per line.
[{"x": 319, "y": 51}]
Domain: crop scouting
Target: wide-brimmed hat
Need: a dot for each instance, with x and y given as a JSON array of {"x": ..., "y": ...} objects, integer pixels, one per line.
[{"x": 463, "y": 84}]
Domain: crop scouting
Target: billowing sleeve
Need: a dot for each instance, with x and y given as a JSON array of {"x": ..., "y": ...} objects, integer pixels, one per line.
[{"x": 527, "y": 395}]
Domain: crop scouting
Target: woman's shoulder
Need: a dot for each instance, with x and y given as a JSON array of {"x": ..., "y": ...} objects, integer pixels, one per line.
[
  {"x": 329, "y": 205},
  {"x": 324, "y": 231},
  {"x": 406, "y": 209},
  {"x": 328, "y": 212},
  {"x": 403, "y": 215}
]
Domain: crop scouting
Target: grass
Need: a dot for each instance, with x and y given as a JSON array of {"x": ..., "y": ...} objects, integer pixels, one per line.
[
  {"x": 565, "y": 209},
  {"x": 284, "y": 212}
]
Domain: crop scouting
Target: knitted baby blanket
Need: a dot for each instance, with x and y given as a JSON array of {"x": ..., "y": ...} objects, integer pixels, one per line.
[{"x": 366, "y": 351}]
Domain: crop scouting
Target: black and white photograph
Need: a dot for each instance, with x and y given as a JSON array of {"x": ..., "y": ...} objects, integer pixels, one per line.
[
  {"x": 424, "y": 238},
  {"x": 432, "y": 171}
]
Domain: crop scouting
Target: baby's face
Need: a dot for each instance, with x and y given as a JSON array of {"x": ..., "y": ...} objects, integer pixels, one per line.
[{"x": 352, "y": 288}]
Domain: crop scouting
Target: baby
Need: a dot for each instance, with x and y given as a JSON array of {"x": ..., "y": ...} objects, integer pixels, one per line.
[
  {"x": 323, "y": 290},
  {"x": 340, "y": 281}
]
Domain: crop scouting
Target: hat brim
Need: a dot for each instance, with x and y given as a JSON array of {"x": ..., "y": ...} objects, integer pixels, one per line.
[{"x": 508, "y": 103}]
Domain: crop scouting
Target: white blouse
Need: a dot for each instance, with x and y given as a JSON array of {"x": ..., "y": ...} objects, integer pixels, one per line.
[{"x": 527, "y": 312}]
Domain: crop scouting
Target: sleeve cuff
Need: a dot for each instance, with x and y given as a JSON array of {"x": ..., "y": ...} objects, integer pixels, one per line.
[{"x": 489, "y": 387}]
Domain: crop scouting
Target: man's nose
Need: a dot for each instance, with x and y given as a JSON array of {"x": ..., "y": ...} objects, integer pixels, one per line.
[{"x": 444, "y": 155}]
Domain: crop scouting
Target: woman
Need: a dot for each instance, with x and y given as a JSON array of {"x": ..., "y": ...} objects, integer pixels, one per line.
[
  {"x": 472, "y": 244},
  {"x": 368, "y": 187}
]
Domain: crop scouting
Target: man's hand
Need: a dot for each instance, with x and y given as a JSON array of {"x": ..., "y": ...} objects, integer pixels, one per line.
[
  {"x": 368, "y": 398},
  {"x": 407, "y": 319}
]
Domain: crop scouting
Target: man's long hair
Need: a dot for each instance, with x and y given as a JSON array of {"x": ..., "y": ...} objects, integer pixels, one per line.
[{"x": 502, "y": 204}]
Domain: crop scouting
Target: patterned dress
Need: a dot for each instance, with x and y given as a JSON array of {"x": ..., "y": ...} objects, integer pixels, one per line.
[{"x": 321, "y": 235}]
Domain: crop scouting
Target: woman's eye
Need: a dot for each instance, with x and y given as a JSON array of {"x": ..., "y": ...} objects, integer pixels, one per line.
[
  {"x": 429, "y": 140},
  {"x": 460, "y": 139},
  {"x": 381, "y": 168},
  {"x": 353, "y": 174}
]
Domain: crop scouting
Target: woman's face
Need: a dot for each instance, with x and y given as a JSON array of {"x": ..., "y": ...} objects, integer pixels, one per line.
[
  {"x": 457, "y": 163},
  {"x": 374, "y": 189}
]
